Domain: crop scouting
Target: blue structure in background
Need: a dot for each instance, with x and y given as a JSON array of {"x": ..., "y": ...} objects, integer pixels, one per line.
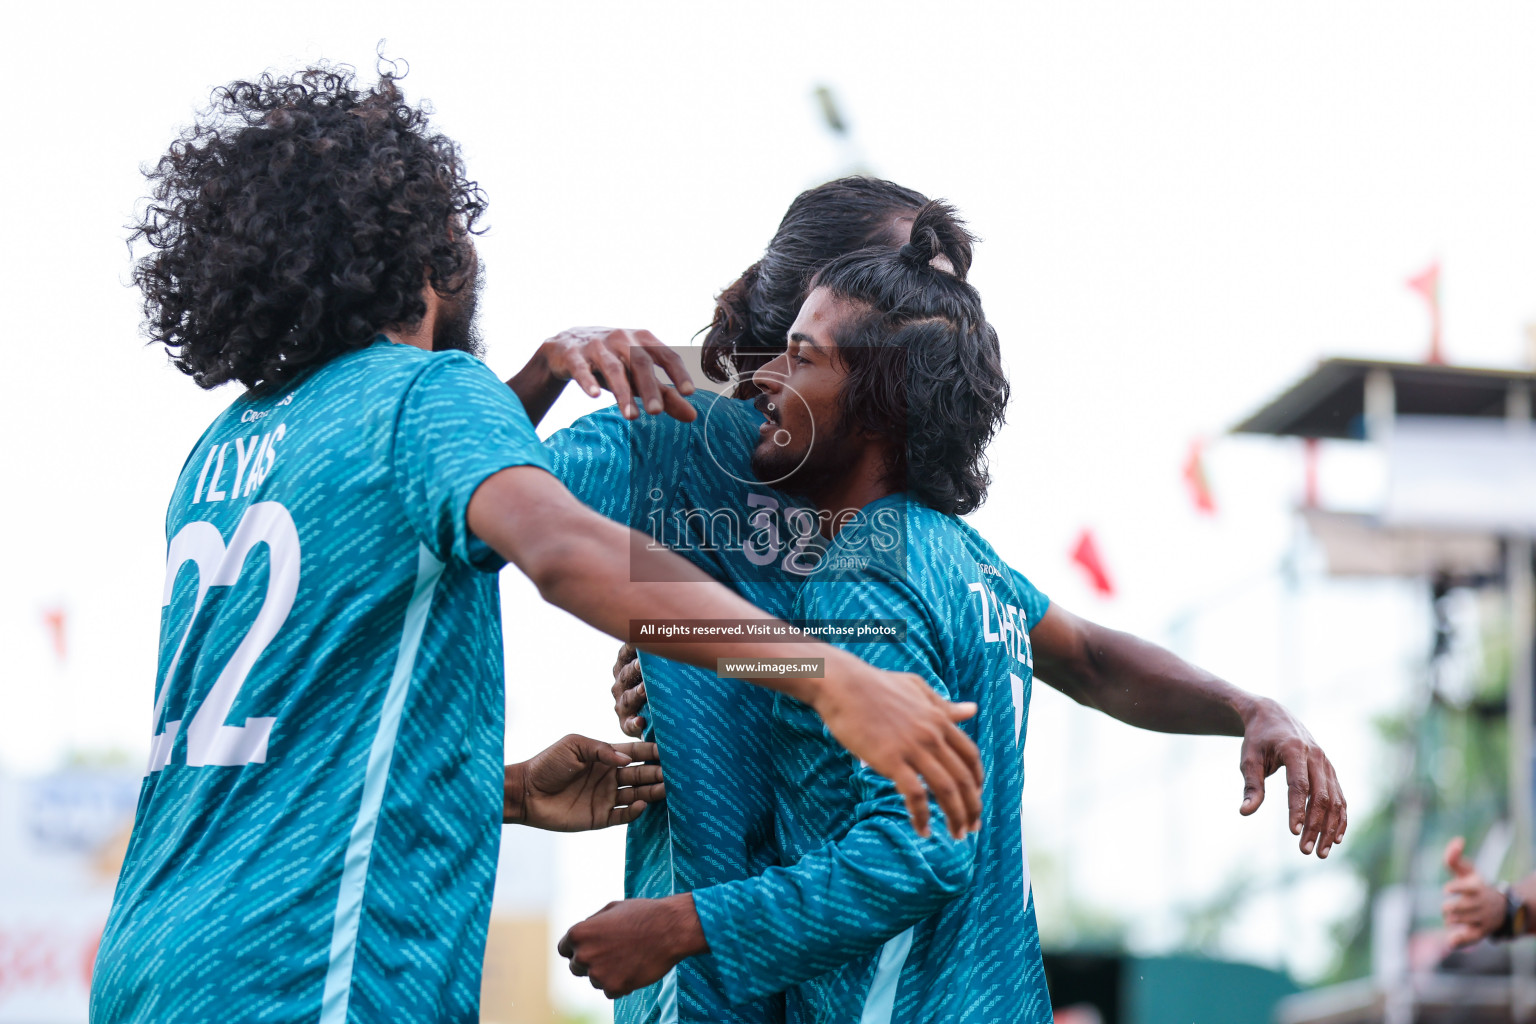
[{"x": 1124, "y": 989}]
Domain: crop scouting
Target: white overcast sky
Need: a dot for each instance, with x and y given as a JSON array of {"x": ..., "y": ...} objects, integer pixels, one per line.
[{"x": 1183, "y": 206}]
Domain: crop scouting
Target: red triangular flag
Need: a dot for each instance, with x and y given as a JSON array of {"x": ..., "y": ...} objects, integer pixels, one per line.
[
  {"x": 1427, "y": 283},
  {"x": 1194, "y": 475},
  {"x": 1086, "y": 554},
  {"x": 56, "y": 621}
]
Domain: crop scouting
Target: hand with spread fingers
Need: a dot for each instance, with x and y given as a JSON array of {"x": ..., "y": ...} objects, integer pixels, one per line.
[
  {"x": 1474, "y": 909},
  {"x": 578, "y": 784},
  {"x": 630, "y": 944},
  {"x": 1272, "y": 737},
  {"x": 607, "y": 358},
  {"x": 629, "y": 692},
  {"x": 897, "y": 725}
]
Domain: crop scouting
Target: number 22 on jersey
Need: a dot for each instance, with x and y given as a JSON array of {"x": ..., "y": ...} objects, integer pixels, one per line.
[{"x": 209, "y": 740}]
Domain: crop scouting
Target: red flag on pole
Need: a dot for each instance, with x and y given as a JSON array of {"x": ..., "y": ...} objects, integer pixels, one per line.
[
  {"x": 56, "y": 621},
  {"x": 1086, "y": 555},
  {"x": 1427, "y": 283},
  {"x": 1194, "y": 476}
]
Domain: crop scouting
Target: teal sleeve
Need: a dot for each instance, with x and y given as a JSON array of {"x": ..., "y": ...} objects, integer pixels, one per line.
[
  {"x": 844, "y": 900},
  {"x": 612, "y": 464},
  {"x": 1035, "y": 604},
  {"x": 456, "y": 426}
]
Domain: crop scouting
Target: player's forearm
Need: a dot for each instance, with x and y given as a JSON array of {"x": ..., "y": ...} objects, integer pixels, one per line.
[
  {"x": 834, "y": 905},
  {"x": 536, "y": 386},
  {"x": 608, "y": 575},
  {"x": 1138, "y": 682},
  {"x": 592, "y": 578}
]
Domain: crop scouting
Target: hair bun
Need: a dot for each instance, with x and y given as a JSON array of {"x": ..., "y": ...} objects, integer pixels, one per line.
[
  {"x": 939, "y": 240},
  {"x": 923, "y": 248}
]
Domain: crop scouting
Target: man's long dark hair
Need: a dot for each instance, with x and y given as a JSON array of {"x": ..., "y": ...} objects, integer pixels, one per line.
[
  {"x": 923, "y": 366},
  {"x": 753, "y": 313},
  {"x": 293, "y": 220}
]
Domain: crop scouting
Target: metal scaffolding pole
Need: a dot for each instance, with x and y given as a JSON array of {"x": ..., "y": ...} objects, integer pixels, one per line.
[
  {"x": 1520, "y": 700},
  {"x": 1522, "y": 716}
]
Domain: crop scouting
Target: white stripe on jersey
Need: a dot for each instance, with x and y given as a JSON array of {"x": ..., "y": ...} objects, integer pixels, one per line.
[{"x": 354, "y": 871}]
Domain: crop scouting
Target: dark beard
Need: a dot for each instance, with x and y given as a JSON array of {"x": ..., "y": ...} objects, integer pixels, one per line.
[
  {"x": 826, "y": 464},
  {"x": 457, "y": 328}
]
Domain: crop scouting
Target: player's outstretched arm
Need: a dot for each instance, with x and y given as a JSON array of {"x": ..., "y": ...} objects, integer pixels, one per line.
[
  {"x": 578, "y": 784},
  {"x": 623, "y": 361},
  {"x": 601, "y": 572},
  {"x": 1144, "y": 685}
]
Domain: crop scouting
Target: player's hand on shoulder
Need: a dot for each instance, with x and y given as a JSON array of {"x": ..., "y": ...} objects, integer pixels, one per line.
[
  {"x": 579, "y": 783},
  {"x": 622, "y": 361},
  {"x": 1273, "y": 737},
  {"x": 629, "y": 692},
  {"x": 895, "y": 723}
]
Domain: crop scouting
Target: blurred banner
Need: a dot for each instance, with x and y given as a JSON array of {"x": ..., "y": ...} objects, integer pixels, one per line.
[
  {"x": 1456, "y": 473},
  {"x": 1358, "y": 545},
  {"x": 62, "y": 839}
]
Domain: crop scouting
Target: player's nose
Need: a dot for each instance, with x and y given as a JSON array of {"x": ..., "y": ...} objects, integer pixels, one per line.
[{"x": 770, "y": 376}]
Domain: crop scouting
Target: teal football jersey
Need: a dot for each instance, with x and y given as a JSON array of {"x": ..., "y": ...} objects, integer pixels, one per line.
[
  {"x": 317, "y": 832},
  {"x": 867, "y": 922},
  {"x": 690, "y": 487}
]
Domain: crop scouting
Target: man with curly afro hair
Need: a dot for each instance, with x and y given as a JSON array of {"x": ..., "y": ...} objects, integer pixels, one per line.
[{"x": 316, "y": 837}]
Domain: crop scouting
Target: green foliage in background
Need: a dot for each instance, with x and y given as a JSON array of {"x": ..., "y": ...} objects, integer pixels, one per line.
[
  {"x": 1459, "y": 780},
  {"x": 1066, "y": 921}
]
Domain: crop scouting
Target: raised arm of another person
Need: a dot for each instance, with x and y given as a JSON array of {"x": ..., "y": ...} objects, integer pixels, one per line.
[
  {"x": 623, "y": 361},
  {"x": 578, "y": 784},
  {"x": 1475, "y": 909},
  {"x": 1144, "y": 685},
  {"x": 602, "y": 573}
]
